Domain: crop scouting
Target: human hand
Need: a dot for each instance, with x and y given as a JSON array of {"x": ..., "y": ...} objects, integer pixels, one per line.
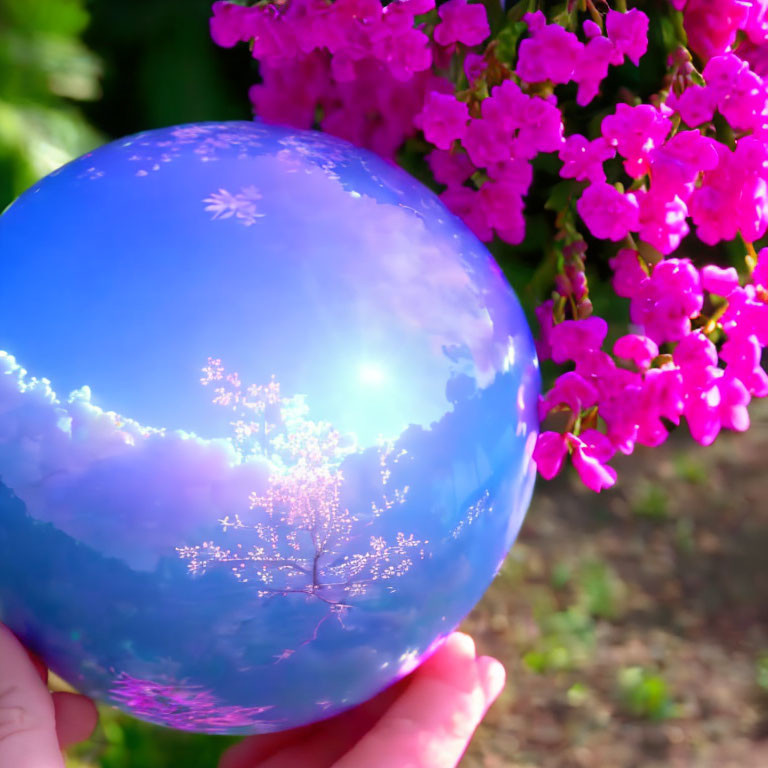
[
  {"x": 36, "y": 725},
  {"x": 424, "y": 721}
]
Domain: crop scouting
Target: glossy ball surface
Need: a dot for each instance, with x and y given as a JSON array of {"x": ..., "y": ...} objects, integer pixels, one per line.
[{"x": 267, "y": 412}]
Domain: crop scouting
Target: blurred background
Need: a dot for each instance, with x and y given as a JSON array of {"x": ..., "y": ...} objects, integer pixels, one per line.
[{"x": 633, "y": 624}]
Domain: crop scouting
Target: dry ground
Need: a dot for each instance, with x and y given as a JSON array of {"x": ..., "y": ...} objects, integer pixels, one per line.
[{"x": 634, "y": 624}]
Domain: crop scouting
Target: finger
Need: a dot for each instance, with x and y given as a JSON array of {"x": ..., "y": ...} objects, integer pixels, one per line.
[
  {"x": 313, "y": 746},
  {"x": 76, "y": 717},
  {"x": 493, "y": 677},
  {"x": 323, "y": 747},
  {"x": 252, "y": 751},
  {"x": 39, "y": 666},
  {"x": 320, "y": 745},
  {"x": 431, "y": 725},
  {"x": 27, "y": 724},
  {"x": 333, "y": 738}
]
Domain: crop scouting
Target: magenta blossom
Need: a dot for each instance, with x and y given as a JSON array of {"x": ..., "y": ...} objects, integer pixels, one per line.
[
  {"x": 431, "y": 84},
  {"x": 443, "y": 119},
  {"x": 608, "y": 213},
  {"x": 629, "y": 34},
  {"x": 462, "y": 22},
  {"x": 573, "y": 338}
]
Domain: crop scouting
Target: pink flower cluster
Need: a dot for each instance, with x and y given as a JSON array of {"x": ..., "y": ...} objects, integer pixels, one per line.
[
  {"x": 366, "y": 69},
  {"x": 638, "y": 392},
  {"x": 712, "y": 26},
  {"x": 691, "y": 159}
]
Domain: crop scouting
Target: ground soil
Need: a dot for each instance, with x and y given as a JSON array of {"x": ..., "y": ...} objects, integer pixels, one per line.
[{"x": 633, "y": 624}]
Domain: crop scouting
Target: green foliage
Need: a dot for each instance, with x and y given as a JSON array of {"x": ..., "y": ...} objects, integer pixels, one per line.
[
  {"x": 652, "y": 502},
  {"x": 601, "y": 591},
  {"x": 567, "y": 635},
  {"x": 122, "y": 742},
  {"x": 161, "y": 67},
  {"x": 761, "y": 673},
  {"x": 508, "y": 39},
  {"x": 566, "y": 642},
  {"x": 578, "y": 694},
  {"x": 690, "y": 469},
  {"x": 44, "y": 70},
  {"x": 644, "y": 694}
]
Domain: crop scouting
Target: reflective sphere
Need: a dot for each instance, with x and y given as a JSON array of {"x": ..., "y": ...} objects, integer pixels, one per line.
[{"x": 267, "y": 412}]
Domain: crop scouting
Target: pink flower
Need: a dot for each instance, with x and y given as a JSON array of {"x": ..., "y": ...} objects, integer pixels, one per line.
[
  {"x": 755, "y": 55},
  {"x": 746, "y": 314},
  {"x": 462, "y": 22},
  {"x": 743, "y": 353},
  {"x": 541, "y": 128},
  {"x": 756, "y": 25},
  {"x": 661, "y": 396},
  {"x": 760, "y": 273},
  {"x": 450, "y": 168},
  {"x": 535, "y": 20},
  {"x": 570, "y": 389},
  {"x": 405, "y": 51},
  {"x": 370, "y": 72},
  {"x": 734, "y": 399},
  {"x": 272, "y": 37},
  {"x": 639, "y": 349},
  {"x": 664, "y": 305},
  {"x": 696, "y": 356},
  {"x": 702, "y": 412},
  {"x": 741, "y": 94},
  {"x": 487, "y": 142},
  {"x": 635, "y": 131},
  {"x": 628, "y": 275},
  {"x": 414, "y": 7},
  {"x": 467, "y": 204},
  {"x": 696, "y": 105},
  {"x": 503, "y": 208},
  {"x": 573, "y": 338},
  {"x": 719, "y": 281},
  {"x": 629, "y": 34},
  {"x": 571, "y": 282},
  {"x": 733, "y": 197},
  {"x": 722, "y": 71},
  {"x": 443, "y": 119},
  {"x": 550, "y": 53},
  {"x": 228, "y": 25},
  {"x": 592, "y": 69},
  {"x": 608, "y": 213},
  {"x": 591, "y": 29},
  {"x": 517, "y": 172},
  {"x": 583, "y": 160},
  {"x": 505, "y": 106},
  {"x": 590, "y": 451},
  {"x": 663, "y": 221},
  {"x": 549, "y": 453},
  {"x": 474, "y": 66},
  {"x": 546, "y": 324},
  {"x": 289, "y": 92},
  {"x": 676, "y": 164},
  {"x": 712, "y": 27}
]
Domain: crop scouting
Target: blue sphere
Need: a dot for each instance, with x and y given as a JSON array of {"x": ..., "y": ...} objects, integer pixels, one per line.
[{"x": 267, "y": 412}]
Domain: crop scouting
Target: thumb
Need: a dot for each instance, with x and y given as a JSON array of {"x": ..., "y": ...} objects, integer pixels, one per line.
[{"x": 27, "y": 721}]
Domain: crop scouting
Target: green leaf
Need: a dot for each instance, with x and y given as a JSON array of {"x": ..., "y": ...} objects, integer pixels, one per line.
[
  {"x": 560, "y": 195},
  {"x": 507, "y": 40}
]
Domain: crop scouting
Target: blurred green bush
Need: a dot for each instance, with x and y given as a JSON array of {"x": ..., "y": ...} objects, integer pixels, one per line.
[
  {"x": 76, "y": 73},
  {"x": 45, "y": 71}
]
